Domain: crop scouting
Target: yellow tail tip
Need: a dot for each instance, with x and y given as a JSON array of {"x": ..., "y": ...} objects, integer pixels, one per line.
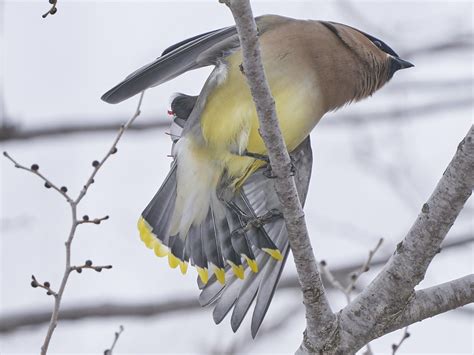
[
  {"x": 274, "y": 253},
  {"x": 160, "y": 250},
  {"x": 183, "y": 266},
  {"x": 252, "y": 264},
  {"x": 238, "y": 270},
  {"x": 173, "y": 261},
  {"x": 203, "y": 274},
  {"x": 145, "y": 233},
  {"x": 220, "y": 274}
]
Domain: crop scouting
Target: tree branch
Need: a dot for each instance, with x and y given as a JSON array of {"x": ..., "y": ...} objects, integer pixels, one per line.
[
  {"x": 320, "y": 320},
  {"x": 387, "y": 296},
  {"x": 73, "y": 203},
  {"x": 116, "y": 338},
  {"x": 432, "y": 301}
]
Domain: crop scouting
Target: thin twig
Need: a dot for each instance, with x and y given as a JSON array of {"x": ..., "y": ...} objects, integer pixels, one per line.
[
  {"x": 34, "y": 169},
  {"x": 116, "y": 338},
  {"x": 405, "y": 336},
  {"x": 73, "y": 203},
  {"x": 354, "y": 277},
  {"x": 52, "y": 10},
  {"x": 112, "y": 150},
  {"x": 364, "y": 268},
  {"x": 45, "y": 285}
]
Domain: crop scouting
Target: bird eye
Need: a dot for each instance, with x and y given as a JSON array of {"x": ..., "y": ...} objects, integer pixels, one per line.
[{"x": 378, "y": 44}]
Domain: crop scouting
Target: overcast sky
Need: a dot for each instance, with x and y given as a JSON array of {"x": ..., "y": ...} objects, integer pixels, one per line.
[{"x": 368, "y": 181}]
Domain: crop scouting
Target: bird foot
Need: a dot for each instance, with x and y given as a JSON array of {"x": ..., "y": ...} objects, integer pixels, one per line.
[
  {"x": 258, "y": 222},
  {"x": 268, "y": 172}
]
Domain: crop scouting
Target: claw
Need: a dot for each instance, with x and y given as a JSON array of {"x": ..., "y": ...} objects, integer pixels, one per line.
[{"x": 257, "y": 156}]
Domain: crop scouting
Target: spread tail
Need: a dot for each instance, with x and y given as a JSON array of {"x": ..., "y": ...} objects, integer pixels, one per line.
[
  {"x": 238, "y": 247},
  {"x": 257, "y": 197}
]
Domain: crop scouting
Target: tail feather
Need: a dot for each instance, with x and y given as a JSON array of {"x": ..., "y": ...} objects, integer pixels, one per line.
[
  {"x": 158, "y": 212},
  {"x": 239, "y": 241},
  {"x": 237, "y": 238},
  {"x": 222, "y": 230},
  {"x": 234, "y": 290},
  {"x": 226, "y": 301},
  {"x": 212, "y": 248},
  {"x": 194, "y": 239},
  {"x": 266, "y": 291},
  {"x": 212, "y": 290},
  {"x": 247, "y": 294}
]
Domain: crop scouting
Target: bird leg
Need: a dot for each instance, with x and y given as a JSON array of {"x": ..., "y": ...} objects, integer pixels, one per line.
[
  {"x": 257, "y": 156},
  {"x": 258, "y": 222},
  {"x": 268, "y": 172}
]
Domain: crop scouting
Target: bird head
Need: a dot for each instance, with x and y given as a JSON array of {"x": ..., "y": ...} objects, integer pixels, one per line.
[{"x": 365, "y": 62}]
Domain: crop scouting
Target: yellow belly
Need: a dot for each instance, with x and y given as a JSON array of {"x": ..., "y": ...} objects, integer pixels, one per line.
[{"x": 229, "y": 120}]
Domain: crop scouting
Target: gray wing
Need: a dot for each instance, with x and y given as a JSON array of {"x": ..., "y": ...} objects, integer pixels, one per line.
[{"x": 196, "y": 52}]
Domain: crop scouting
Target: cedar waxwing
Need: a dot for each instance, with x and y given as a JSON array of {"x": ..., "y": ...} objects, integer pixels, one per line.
[{"x": 217, "y": 207}]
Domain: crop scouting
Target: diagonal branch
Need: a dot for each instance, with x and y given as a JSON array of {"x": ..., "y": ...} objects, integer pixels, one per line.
[
  {"x": 386, "y": 298},
  {"x": 321, "y": 321}
]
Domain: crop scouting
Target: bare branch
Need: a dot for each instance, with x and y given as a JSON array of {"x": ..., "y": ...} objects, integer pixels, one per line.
[
  {"x": 73, "y": 203},
  {"x": 97, "y": 165},
  {"x": 45, "y": 285},
  {"x": 387, "y": 296},
  {"x": 52, "y": 10},
  {"x": 354, "y": 276},
  {"x": 116, "y": 338},
  {"x": 14, "y": 132},
  {"x": 405, "y": 336},
  {"x": 321, "y": 321},
  {"x": 433, "y": 301},
  {"x": 34, "y": 169}
]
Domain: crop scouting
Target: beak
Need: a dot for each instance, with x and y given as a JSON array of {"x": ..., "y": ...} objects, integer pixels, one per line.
[{"x": 399, "y": 63}]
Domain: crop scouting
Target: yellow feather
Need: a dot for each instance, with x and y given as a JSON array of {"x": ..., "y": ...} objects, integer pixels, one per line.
[
  {"x": 238, "y": 270},
  {"x": 203, "y": 274},
  {"x": 229, "y": 120},
  {"x": 183, "y": 265},
  {"x": 173, "y": 261},
  {"x": 145, "y": 233},
  {"x": 220, "y": 274},
  {"x": 252, "y": 264},
  {"x": 160, "y": 250},
  {"x": 274, "y": 253}
]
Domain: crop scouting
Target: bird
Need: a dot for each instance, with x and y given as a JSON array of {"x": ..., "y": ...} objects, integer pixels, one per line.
[{"x": 217, "y": 208}]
